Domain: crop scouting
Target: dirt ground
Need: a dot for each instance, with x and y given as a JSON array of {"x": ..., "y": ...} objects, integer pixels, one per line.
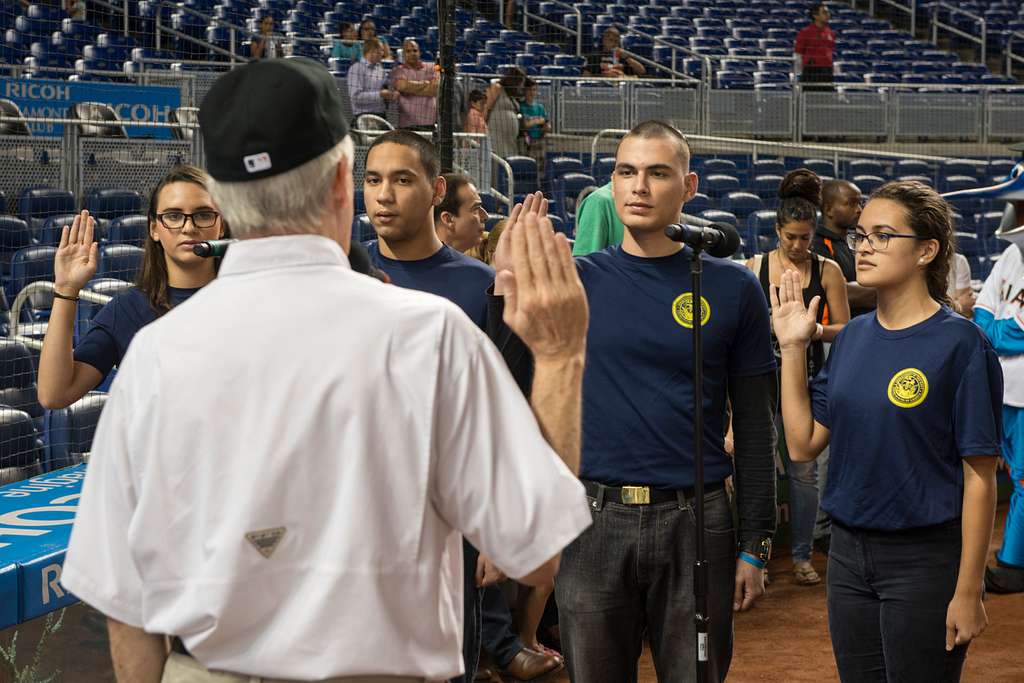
[{"x": 784, "y": 639}]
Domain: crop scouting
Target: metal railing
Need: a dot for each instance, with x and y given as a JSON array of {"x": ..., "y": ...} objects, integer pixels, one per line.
[
  {"x": 981, "y": 40},
  {"x": 234, "y": 32},
  {"x": 575, "y": 35},
  {"x": 1011, "y": 57},
  {"x": 910, "y": 9},
  {"x": 18, "y": 328},
  {"x": 776, "y": 149},
  {"x": 510, "y": 183}
]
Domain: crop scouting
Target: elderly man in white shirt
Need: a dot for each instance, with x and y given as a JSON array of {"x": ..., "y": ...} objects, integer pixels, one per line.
[{"x": 285, "y": 466}]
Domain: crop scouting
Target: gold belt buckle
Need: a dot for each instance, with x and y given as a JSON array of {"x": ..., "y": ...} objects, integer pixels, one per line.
[{"x": 636, "y": 495}]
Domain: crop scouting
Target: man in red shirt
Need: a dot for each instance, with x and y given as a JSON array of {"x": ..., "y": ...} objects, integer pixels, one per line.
[{"x": 814, "y": 46}]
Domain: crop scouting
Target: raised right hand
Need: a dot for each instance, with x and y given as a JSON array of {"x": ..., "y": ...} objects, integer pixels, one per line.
[
  {"x": 793, "y": 323},
  {"x": 75, "y": 263},
  {"x": 544, "y": 299}
]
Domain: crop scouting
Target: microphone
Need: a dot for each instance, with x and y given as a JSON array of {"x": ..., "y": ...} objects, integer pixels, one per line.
[
  {"x": 212, "y": 248},
  {"x": 718, "y": 239}
]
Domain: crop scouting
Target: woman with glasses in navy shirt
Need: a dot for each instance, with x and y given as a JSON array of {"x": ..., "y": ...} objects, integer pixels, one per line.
[
  {"x": 181, "y": 213},
  {"x": 910, "y": 404}
]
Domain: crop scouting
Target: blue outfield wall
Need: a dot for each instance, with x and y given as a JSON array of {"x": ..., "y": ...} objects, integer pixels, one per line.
[
  {"x": 45, "y": 98},
  {"x": 36, "y": 516}
]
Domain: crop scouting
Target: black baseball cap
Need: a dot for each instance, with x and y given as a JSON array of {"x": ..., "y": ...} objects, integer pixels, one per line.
[{"x": 268, "y": 117}]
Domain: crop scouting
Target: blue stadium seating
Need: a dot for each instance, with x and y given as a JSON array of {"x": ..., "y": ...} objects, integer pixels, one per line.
[
  {"x": 129, "y": 230},
  {"x": 868, "y": 183},
  {"x": 699, "y": 203},
  {"x": 30, "y": 265},
  {"x": 35, "y": 204},
  {"x": 567, "y": 190},
  {"x": 741, "y": 204},
  {"x": 113, "y": 202},
  {"x": 121, "y": 261},
  {"x": 19, "y": 440},
  {"x": 718, "y": 185},
  {"x": 49, "y": 234},
  {"x": 602, "y": 170},
  {"x": 70, "y": 431},
  {"x": 718, "y": 216}
]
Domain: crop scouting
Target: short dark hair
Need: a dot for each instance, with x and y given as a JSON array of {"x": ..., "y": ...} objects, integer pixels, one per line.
[
  {"x": 814, "y": 9},
  {"x": 424, "y": 149},
  {"x": 832, "y": 191},
  {"x": 653, "y": 128},
  {"x": 450, "y": 203},
  {"x": 343, "y": 26},
  {"x": 476, "y": 95}
]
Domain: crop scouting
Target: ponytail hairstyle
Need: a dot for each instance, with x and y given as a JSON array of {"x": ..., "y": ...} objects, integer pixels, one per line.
[
  {"x": 800, "y": 195},
  {"x": 930, "y": 217}
]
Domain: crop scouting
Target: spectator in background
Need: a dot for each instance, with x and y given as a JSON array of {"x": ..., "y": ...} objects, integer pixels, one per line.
[
  {"x": 535, "y": 119},
  {"x": 504, "y": 120},
  {"x": 476, "y": 118},
  {"x": 368, "y": 82},
  {"x": 841, "y": 203},
  {"x": 460, "y": 217},
  {"x": 416, "y": 83},
  {"x": 367, "y": 30},
  {"x": 610, "y": 60},
  {"x": 961, "y": 296},
  {"x": 348, "y": 47},
  {"x": 814, "y": 47},
  {"x": 800, "y": 195},
  {"x": 266, "y": 45}
]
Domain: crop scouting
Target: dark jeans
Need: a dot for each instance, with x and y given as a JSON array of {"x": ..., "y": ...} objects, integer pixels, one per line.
[
  {"x": 632, "y": 571},
  {"x": 887, "y": 599},
  {"x": 814, "y": 75},
  {"x": 497, "y": 635},
  {"x": 470, "y": 614}
]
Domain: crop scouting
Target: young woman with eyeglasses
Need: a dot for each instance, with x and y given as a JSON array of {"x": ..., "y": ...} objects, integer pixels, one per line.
[
  {"x": 909, "y": 402},
  {"x": 181, "y": 213}
]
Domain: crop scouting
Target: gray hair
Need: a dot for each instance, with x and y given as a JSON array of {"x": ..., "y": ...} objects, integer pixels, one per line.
[{"x": 291, "y": 203}]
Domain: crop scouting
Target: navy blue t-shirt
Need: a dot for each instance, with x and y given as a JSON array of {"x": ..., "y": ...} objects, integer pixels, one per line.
[
  {"x": 461, "y": 279},
  {"x": 114, "y": 327},
  {"x": 638, "y": 381},
  {"x": 904, "y": 407}
]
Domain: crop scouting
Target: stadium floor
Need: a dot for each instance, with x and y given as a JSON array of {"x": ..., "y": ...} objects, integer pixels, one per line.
[{"x": 784, "y": 639}]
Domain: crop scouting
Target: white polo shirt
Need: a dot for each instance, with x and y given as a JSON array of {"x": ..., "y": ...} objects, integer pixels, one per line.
[{"x": 285, "y": 464}]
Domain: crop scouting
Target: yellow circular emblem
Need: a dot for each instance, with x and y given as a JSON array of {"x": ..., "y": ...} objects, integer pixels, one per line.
[
  {"x": 682, "y": 310},
  {"x": 908, "y": 388}
]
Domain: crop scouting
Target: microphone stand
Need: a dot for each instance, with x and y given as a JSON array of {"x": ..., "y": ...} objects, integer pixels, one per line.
[{"x": 700, "y": 566}]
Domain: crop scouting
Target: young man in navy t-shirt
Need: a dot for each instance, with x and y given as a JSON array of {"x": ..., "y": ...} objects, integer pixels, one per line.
[
  {"x": 631, "y": 571},
  {"x": 402, "y": 185}
]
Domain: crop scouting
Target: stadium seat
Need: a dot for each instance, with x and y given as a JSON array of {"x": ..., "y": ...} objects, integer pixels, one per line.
[
  {"x": 968, "y": 244},
  {"x": 130, "y": 230},
  {"x": 113, "y": 202},
  {"x": 760, "y": 224},
  {"x": 602, "y": 170},
  {"x": 559, "y": 166},
  {"x": 767, "y": 188},
  {"x": 18, "y": 378},
  {"x": 768, "y": 167},
  {"x": 524, "y": 172},
  {"x": 718, "y": 185},
  {"x": 698, "y": 204},
  {"x": 70, "y": 431},
  {"x": 567, "y": 191},
  {"x": 49, "y": 234},
  {"x": 959, "y": 182},
  {"x": 858, "y": 167},
  {"x": 961, "y": 167},
  {"x": 38, "y": 203},
  {"x": 741, "y": 204},
  {"x": 868, "y": 183},
  {"x": 19, "y": 441},
  {"x": 29, "y": 265},
  {"x": 820, "y": 166},
  {"x": 988, "y": 222},
  {"x": 14, "y": 235},
  {"x": 716, "y": 216},
  {"x": 121, "y": 261},
  {"x": 913, "y": 167},
  {"x": 719, "y": 166}
]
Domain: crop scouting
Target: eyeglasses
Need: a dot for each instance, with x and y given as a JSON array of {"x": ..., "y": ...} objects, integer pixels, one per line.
[
  {"x": 879, "y": 241},
  {"x": 175, "y": 220}
]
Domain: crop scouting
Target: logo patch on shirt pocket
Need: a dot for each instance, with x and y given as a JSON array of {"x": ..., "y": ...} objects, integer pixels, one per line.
[
  {"x": 682, "y": 310},
  {"x": 908, "y": 388}
]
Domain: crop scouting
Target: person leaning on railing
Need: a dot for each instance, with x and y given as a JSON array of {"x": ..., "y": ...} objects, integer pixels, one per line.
[{"x": 180, "y": 214}]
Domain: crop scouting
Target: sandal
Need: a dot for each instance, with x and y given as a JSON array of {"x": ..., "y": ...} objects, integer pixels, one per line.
[{"x": 804, "y": 574}]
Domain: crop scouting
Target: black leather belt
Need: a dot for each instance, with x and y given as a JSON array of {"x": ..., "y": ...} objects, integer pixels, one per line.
[{"x": 644, "y": 495}]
